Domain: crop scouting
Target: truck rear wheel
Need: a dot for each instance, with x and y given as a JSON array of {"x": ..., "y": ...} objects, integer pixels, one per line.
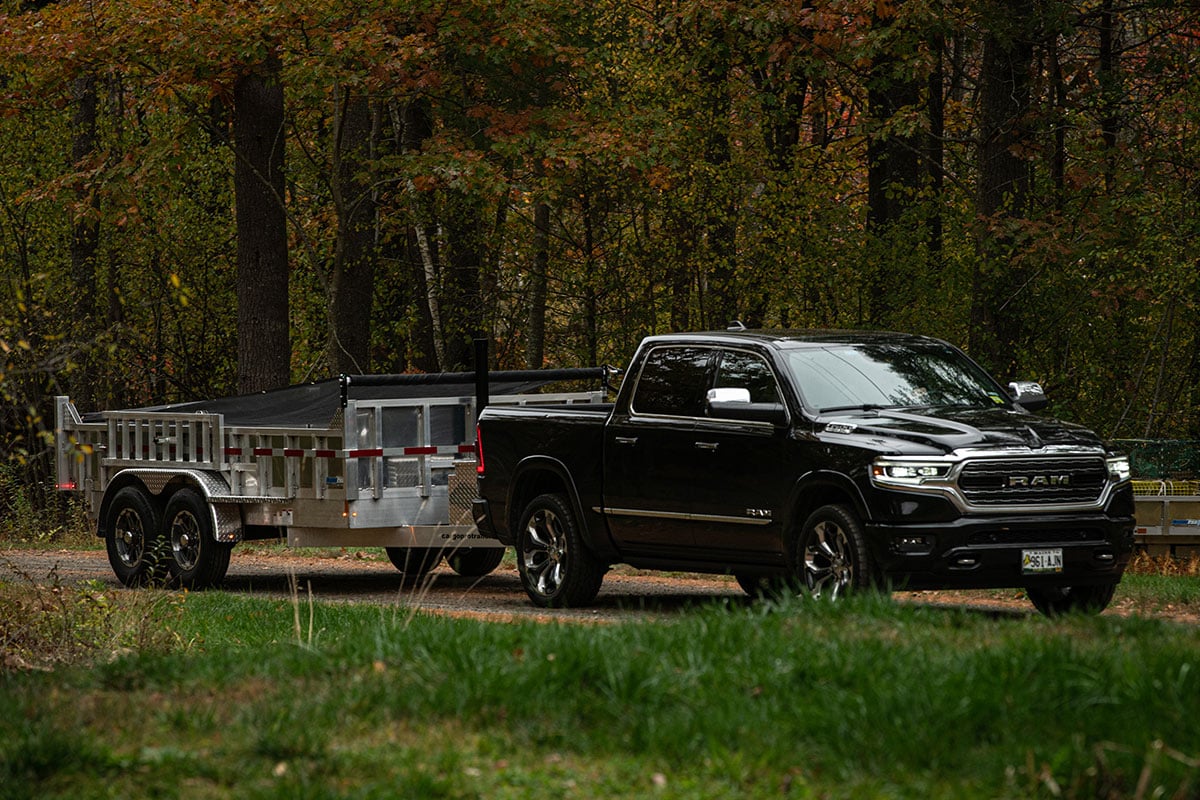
[
  {"x": 132, "y": 538},
  {"x": 473, "y": 562},
  {"x": 414, "y": 562},
  {"x": 197, "y": 560},
  {"x": 833, "y": 556},
  {"x": 556, "y": 567},
  {"x": 1055, "y": 601}
]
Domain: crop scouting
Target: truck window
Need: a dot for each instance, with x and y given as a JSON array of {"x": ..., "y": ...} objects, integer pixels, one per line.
[
  {"x": 673, "y": 382},
  {"x": 747, "y": 371}
]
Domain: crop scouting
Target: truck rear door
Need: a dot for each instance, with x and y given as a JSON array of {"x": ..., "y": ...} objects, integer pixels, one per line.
[{"x": 651, "y": 453}]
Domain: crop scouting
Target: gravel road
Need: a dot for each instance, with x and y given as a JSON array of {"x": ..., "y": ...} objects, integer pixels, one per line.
[
  {"x": 367, "y": 576},
  {"x": 362, "y": 576}
]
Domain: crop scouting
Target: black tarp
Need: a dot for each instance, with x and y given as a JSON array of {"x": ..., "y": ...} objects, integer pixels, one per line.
[{"x": 315, "y": 405}]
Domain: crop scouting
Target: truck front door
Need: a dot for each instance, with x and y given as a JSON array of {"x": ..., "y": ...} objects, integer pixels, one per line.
[{"x": 744, "y": 468}]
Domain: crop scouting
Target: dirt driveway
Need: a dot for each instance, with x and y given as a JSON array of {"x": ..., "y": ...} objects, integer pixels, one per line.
[
  {"x": 363, "y": 576},
  {"x": 367, "y": 576}
]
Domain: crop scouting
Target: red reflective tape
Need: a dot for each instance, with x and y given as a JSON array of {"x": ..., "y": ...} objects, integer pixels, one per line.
[
  {"x": 291, "y": 452},
  {"x": 326, "y": 454},
  {"x": 378, "y": 451},
  {"x": 420, "y": 451},
  {"x": 263, "y": 451},
  {"x": 233, "y": 451},
  {"x": 466, "y": 448}
]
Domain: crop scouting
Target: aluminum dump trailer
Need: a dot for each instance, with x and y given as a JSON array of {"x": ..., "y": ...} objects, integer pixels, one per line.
[{"x": 357, "y": 461}]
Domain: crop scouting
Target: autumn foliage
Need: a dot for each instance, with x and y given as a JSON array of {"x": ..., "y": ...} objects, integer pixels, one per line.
[{"x": 563, "y": 178}]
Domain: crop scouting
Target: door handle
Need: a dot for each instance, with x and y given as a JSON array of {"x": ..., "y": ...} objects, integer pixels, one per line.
[
  {"x": 625, "y": 439},
  {"x": 706, "y": 446}
]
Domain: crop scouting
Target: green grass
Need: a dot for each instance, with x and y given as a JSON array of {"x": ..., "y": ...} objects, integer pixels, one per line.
[{"x": 860, "y": 699}]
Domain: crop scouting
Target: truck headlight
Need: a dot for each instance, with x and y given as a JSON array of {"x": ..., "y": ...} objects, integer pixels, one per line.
[
  {"x": 1119, "y": 470},
  {"x": 908, "y": 473}
]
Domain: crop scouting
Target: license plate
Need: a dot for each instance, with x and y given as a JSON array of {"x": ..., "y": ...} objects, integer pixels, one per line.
[{"x": 1036, "y": 562}]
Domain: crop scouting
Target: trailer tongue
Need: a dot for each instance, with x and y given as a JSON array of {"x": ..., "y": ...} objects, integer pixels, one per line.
[{"x": 360, "y": 461}]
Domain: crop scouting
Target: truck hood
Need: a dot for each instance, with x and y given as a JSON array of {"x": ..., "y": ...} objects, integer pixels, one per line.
[{"x": 945, "y": 430}]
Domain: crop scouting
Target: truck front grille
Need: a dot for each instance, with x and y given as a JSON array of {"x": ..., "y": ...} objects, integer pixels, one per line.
[{"x": 1033, "y": 481}]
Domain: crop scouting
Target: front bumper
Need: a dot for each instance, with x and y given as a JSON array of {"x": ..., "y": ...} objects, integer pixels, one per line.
[{"x": 986, "y": 552}]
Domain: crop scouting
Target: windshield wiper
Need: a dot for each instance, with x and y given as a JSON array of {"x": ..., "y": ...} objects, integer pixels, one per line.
[{"x": 860, "y": 407}]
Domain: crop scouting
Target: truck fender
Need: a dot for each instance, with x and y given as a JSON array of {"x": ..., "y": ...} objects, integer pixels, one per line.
[
  {"x": 526, "y": 474},
  {"x": 818, "y": 488},
  {"x": 159, "y": 484}
]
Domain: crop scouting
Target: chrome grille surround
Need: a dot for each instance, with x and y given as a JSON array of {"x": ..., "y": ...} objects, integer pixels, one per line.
[{"x": 981, "y": 481}]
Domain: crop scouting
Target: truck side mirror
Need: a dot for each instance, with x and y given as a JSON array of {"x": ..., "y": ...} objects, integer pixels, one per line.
[
  {"x": 734, "y": 404},
  {"x": 1029, "y": 395}
]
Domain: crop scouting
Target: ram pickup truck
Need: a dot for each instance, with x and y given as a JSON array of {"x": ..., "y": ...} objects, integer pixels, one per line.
[{"x": 825, "y": 461}]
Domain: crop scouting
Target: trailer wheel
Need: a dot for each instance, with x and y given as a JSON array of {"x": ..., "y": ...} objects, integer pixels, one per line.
[
  {"x": 135, "y": 547},
  {"x": 472, "y": 562},
  {"x": 414, "y": 562},
  {"x": 197, "y": 560},
  {"x": 556, "y": 567},
  {"x": 1053, "y": 601}
]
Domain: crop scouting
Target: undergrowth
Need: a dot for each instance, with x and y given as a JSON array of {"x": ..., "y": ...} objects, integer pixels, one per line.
[{"x": 45, "y": 624}]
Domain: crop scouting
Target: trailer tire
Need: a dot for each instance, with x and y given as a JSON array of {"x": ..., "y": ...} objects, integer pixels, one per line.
[
  {"x": 414, "y": 562},
  {"x": 135, "y": 546},
  {"x": 474, "y": 562},
  {"x": 195, "y": 558},
  {"x": 556, "y": 567}
]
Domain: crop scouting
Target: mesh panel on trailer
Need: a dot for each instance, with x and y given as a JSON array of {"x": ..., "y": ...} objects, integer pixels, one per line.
[{"x": 1163, "y": 459}]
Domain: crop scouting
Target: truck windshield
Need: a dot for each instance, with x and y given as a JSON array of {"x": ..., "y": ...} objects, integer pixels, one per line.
[{"x": 873, "y": 376}]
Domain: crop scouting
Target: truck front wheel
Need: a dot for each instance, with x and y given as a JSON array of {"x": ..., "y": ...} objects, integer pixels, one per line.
[
  {"x": 833, "y": 555},
  {"x": 1054, "y": 601},
  {"x": 556, "y": 567},
  {"x": 197, "y": 559},
  {"x": 135, "y": 547}
]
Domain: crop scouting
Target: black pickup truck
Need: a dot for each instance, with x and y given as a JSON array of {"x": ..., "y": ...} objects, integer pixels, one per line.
[{"x": 830, "y": 461}]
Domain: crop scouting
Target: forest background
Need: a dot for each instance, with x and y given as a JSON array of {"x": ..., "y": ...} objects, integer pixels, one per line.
[{"x": 200, "y": 199}]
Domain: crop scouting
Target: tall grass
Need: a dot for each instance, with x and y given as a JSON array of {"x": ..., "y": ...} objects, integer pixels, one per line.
[{"x": 866, "y": 698}]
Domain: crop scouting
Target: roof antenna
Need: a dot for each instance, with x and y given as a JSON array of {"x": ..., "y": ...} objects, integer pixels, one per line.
[{"x": 736, "y": 325}]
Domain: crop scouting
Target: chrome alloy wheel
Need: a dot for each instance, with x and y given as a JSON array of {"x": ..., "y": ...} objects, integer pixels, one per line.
[
  {"x": 545, "y": 552},
  {"x": 129, "y": 537},
  {"x": 828, "y": 560},
  {"x": 185, "y": 539}
]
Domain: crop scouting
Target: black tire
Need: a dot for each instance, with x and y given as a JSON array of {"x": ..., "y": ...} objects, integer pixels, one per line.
[
  {"x": 195, "y": 558},
  {"x": 1054, "y": 601},
  {"x": 557, "y": 570},
  {"x": 414, "y": 562},
  {"x": 473, "y": 562},
  {"x": 132, "y": 538},
  {"x": 832, "y": 559}
]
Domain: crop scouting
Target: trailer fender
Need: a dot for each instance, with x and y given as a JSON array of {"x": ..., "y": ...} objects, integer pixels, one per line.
[{"x": 160, "y": 484}]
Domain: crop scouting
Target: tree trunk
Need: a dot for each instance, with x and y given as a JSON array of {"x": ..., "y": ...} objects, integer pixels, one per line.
[
  {"x": 353, "y": 281},
  {"x": 535, "y": 337},
  {"x": 720, "y": 228},
  {"x": 462, "y": 303},
  {"x": 1005, "y": 80},
  {"x": 264, "y": 349},
  {"x": 893, "y": 177},
  {"x": 85, "y": 233}
]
